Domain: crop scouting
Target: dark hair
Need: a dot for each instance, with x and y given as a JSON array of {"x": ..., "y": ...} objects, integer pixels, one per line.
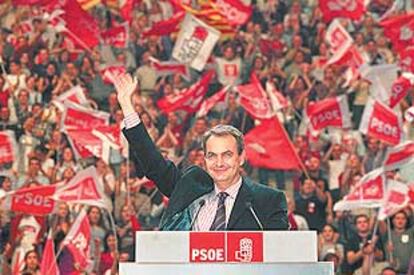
[
  {"x": 224, "y": 130},
  {"x": 108, "y": 234},
  {"x": 407, "y": 224},
  {"x": 359, "y": 216}
]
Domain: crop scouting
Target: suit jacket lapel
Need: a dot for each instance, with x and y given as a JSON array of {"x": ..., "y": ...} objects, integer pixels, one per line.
[{"x": 239, "y": 207}]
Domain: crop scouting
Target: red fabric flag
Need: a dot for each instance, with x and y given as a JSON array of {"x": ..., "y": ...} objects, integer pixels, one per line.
[
  {"x": 125, "y": 9},
  {"x": 399, "y": 90},
  {"x": 170, "y": 67},
  {"x": 166, "y": 27},
  {"x": 236, "y": 12},
  {"x": 7, "y": 147},
  {"x": 399, "y": 155},
  {"x": 78, "y": 241},
  {"x": 268, "y": 146},
  {"x": 84, "y": 188},
  {"x": 108, "y": 72},
  {"x": 76, "y": 116},
  {"x": 36, "y": 200},
  {"x": 189, "y": 99},
  {"x": 352, "y": 9},
  {"x": 396, "y": 198},
  {"x": 369, "y": 192},
  {"x": 399, "y": 29},
  {"x": 75, "y": 95},
  {"x": 407, "y": 59},
  {"x": 210, "y": 102},
  {"x": 277, "y": 99},
  {"x": 254, "y": 99},
  {"x": 381, "y": 122},
  {"x": 333, "y": 112},
  {"x": 48, "y": 264},
  {"x": 116, "y": 36},
  {"x": 80, "y": 25}
]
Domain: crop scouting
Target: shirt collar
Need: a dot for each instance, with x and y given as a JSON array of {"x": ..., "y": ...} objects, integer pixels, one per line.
[{"x": 232, "y": 190}]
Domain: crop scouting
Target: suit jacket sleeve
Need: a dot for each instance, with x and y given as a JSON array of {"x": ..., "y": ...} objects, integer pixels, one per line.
[
  {"x": 277, "y": 218},
  {"x": 150, "y": 161}
]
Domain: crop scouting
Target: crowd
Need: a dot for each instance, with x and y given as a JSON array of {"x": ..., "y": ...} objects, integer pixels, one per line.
[{"x": 37, "y": 67}]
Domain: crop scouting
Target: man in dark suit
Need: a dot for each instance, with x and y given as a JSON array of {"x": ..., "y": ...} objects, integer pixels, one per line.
[{"x": 216, "y": 199}]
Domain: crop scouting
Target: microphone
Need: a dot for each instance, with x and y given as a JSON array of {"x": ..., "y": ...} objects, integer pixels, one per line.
[
  {"x": 200, "y": 205},
  {"x": 249, "y": 205}
]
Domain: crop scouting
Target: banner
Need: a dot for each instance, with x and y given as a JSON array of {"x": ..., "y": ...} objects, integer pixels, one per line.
[
  {"x": 8, "y": 147},
  {"x": 235, "y": 11},
  {"x": 188, "y": 100},
  {"x": 164, "y": 68},
  {"x": 381, "y": 122},
  {"x": 34, "y": 200},
  {"x": 352, "y": 9},
  {"x": 330, "y": 112},
  {"x": 398, "y": 156},
  {"x": 254, "y": 99},
  {"x": 369, "y": 192},
  {"x": 84, "y": 188},
  {"x": 212, "y": 101},
  {"x": 338, "y": 38},
  {"x": 195, "y": 42},
  {"x": 400, "y": 30},
  {"x": 268, "y": 146},
  {"x": 116, "y": 36},
  {"x": 78, "y": 241},
  {"x": 76, "y": 116},
  {"x": 396, "y": 199}
]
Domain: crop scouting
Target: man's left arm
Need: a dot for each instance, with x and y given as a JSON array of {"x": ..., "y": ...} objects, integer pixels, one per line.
[{"x": 276, "y": 218}]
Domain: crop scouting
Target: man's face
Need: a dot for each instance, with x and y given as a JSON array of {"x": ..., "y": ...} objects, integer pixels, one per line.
[
  {"x": 362, "y": 225},
  {"x": 399, "y": 221},
  {"x": 222, "y": 160}
]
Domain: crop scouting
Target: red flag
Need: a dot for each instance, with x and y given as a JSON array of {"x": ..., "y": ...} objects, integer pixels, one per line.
[
  {"x": 352, "y": 9},
  {"x": 236, "y": 12},
  {"x": 253, "y": 98},
  {"x": 399, "y": 29},
  {"x": 170, "y": 67},
  {"x": 407, "y": 59},
  {"x": 84, "y": 188},
  {"x": 267, "y": 46},
  {"x": 333, "y": 112},
  {"x": 80, "y": 25},
  {"x": 268, "y": 146},
  {"x": 166, "y": 27},
  {"x": 381, "y": 122},
  {"x": 34, "y": 200},
  {"x": 125, "y": 9},
  {"x": 399, "y": 90},
  {"x": 396, "y": 198},
  {"x": 116, "y": 36},
  {"x": 78, "y": 241},
  {"x": 75, "y": 95},
  {"x": 48, "y": 264},
  {"x": 7, "y": 147},
  {"x": 399, "y": 155},
  {"x": 276, "y": 97},
  {"x": 369, "y": 192},
  {"x": 108, "y": 72},
  {"x": 189, "y": 99},
  {"x": 210, "y": 102},
  {"x": 76, "y": 116}
]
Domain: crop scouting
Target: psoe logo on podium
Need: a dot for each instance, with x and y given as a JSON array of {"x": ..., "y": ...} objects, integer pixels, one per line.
[
  {"x": 244, "y": 247},
  {"x": 207, "y": 247}
]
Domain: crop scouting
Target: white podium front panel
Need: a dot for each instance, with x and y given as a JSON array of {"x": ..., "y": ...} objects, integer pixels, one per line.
[
  {"x": 261, "y": 247},
  {"x": 227, "y": 269}
]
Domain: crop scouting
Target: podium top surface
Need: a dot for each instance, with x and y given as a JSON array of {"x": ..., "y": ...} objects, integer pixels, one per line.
[{"x": 231, "y": 246}]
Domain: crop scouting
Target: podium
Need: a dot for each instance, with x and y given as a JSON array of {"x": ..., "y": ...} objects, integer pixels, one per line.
[{"x": 226, "y": 253}]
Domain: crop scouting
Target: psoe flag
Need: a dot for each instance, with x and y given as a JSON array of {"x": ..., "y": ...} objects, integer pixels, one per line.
[{"x": 195, "y": 42}]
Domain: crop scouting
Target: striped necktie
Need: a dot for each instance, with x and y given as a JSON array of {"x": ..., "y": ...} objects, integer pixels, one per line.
[{"x": 219, "y": 222}]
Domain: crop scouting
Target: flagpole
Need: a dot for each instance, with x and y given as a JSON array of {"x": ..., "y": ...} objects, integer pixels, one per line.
[{"x": 389, "y": 238}]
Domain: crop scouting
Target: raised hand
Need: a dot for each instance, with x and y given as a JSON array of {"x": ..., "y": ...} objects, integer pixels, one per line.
[{"x": 125, "y": 86}]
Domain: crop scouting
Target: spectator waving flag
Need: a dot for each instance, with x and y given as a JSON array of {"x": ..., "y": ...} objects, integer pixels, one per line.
[
  {"x": 254, "y": 99},
  {"x": 195, "y": 42},
  {"x": 78, "y": 241},
  {"x": 369, "y": 192},
  {"x": 352, "y": 9},
  {"x": 84, "y": 188},
  {"x": 396, "y": 198},
  {"x": 381, "y": 122},
  {"x": 399, "y": 156},
  {"x": 268, "y": 146},
  {"x": 330, "y": 112}
]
